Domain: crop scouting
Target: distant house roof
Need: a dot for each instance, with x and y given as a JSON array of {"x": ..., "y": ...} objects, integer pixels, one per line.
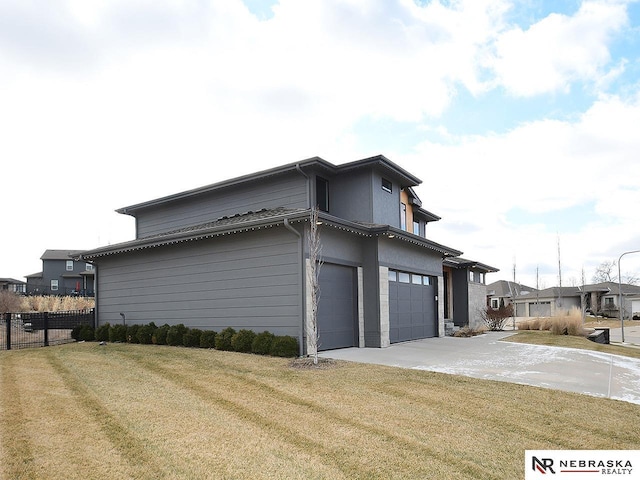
[
  {"x": 459, "y": 262},
  {"x": 553, "y": 292},
  {"x": 613, "y": 287},
  {"x": 59, "y": 254},
  {"x": 11, "y": 281},
  {"x": 405, "y": 178},
  {"x": 505, "y": 288},
  {"x": 256, "y": 221}
]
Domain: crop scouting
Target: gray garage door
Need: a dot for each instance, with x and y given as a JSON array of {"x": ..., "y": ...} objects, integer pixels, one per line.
[
  {"x": 540, "y": 309},
  {"x": 412, "y": 307},
  {"x": 337, "y": 308}
]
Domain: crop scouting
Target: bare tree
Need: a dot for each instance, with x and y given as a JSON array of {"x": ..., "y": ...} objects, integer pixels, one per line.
[
  {"x": 313, "y": 280},
  {"x": 10, "y": 302},
  {"x": 607, "y": 272}
]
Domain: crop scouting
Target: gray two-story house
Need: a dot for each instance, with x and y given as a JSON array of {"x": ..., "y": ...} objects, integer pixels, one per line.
[
  {"x": 235, "y": 253},
  {"x": 62, "y": 275}
]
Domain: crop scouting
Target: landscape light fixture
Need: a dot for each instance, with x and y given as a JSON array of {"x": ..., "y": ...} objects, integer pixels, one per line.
[
  {"x": 124, "y": 321},
  {"x": 620, "y": 291}
]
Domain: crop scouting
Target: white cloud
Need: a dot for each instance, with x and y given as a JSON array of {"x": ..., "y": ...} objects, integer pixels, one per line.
[
  {"x": 105, "y": 104},
  {"x": 558, "y": 50},
  {"x": 538, "y": 167}
]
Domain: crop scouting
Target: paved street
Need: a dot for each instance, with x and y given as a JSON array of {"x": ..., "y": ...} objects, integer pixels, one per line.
[{"x": 485, "y": 356}]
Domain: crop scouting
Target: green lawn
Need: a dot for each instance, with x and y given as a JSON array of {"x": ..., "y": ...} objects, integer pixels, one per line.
[{"x": 122, "y": 411}]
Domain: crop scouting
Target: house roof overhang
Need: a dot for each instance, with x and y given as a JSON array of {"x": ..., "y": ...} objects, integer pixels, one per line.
[
  {"x": 401, "y": 175},
  {"x": 262, "y": 219},
  {"x": 459, "y": 262}
]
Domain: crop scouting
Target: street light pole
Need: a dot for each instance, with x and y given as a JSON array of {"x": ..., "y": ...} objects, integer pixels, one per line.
[{"x": 620, "y": 291}]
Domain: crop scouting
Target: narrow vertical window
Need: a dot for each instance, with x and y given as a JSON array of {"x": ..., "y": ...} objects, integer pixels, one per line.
[
  {"x": 322, "y": 194},
  {"x": 403, "y": 216},
  {"x": 416, "y": 228},
  {"x": 69, "y": 265}
]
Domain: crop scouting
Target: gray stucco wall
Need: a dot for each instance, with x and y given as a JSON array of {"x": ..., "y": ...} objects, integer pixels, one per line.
[
  {"x": 477, "y": 302},
  {"x": 351, "y": 196},
  {"x": 286, "y": 190},
  {"x": 250, "y": 280}
]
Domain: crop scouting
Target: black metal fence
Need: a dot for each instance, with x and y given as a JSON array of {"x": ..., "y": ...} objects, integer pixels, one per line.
[{"x": 41, "y": 329}]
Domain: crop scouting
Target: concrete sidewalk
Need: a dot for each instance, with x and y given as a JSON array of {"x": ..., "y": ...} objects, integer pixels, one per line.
[{"x": 486, "y": 357}]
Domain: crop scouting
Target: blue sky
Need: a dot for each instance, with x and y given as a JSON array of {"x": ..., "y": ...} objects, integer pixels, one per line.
[{"x": 521, "y": 117}]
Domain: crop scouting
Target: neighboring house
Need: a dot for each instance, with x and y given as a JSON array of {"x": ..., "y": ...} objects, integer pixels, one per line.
[
  {"x": 504, "y": 292},
  {"x": 467, "y": 280},
  {"x": 62, "y": 275},
  {"x": 599, "y": 299},
  {"x": 548, "y": 302},
  {"x": 12, "y": 285},
  {"x": 604, "y": 299},
  {"x": 235, "y": 254}
]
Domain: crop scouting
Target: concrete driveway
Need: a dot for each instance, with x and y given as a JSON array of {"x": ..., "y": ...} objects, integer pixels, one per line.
[{"x": 485, "y": 356}]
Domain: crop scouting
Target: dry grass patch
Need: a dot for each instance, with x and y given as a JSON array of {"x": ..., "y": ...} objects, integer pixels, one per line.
[
  {"x": 132, "y": 411},
  {"x": 547, "y": 338}
]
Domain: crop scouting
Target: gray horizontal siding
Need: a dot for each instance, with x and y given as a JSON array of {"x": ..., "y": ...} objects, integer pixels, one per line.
[
  {"x": 402, "y": 255},
  {"x": 249, "y": 280},
  {"x": 283, "y": 191}
]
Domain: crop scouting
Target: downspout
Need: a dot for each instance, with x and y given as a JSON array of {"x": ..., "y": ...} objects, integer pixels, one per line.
[
  {"x": 308, "y": 186},
  {"x": 288, "y": 226}
]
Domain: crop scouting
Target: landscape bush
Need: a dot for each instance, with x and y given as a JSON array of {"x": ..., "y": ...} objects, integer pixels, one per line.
[
  {"x": 284, "y": 346},
  {"x": 102, "y": 332},
  {"x": 145, "y": 333},
  {"x": 175, "y": 335},
  {"x": 160, "y": 335},
  {"x": 261, "y": 345},
  {"x": 191, "y": 338},
  {"x": 242, "y": 341},
  {"x": 118, "y": 333},
  {"x": 132, "y": 333},
  {"x": 223, "y": 339},
  {"x": 208, "y": 339}
]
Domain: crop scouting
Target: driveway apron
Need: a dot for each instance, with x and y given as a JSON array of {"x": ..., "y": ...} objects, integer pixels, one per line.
[{"x": 485, "y": 356}]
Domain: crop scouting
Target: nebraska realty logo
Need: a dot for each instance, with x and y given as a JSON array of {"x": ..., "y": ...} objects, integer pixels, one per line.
[{"x": 582, "y": 464}]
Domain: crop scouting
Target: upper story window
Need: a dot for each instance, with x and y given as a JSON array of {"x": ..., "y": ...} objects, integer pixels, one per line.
[
  {"x": 477, "y": 277},
  {"x": 387, "y": 186},
  {"x": 88, "y": 266},
  {"x": 403, "y": 216},
  {"x": 69, "y": 265},
  {"x": 322, "y": 194},
  {"x": 416, "y": 227}
]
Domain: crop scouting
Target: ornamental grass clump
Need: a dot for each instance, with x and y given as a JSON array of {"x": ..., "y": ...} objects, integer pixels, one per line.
[{"x": 566, "y": 323}]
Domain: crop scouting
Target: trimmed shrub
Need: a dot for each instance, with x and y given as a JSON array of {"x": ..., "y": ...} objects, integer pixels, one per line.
[
  {"x": 145, "y": 334},
  {"x": 242, "y": 341},
  {"x": 160, "y": 335},
  {"x": 87, "y": 333},
  {"x": 261, "y": 344},
  {"x": 118, "y": 333},
  {"x": 102, "y": 333},
  {"x": 175, "y": 334},
  {"x": 75, "y": 332},
  {"x": 284, "y": 346},
  {"x": 208, "y": 339},
  {"x": 132, "y": 333},
  {"x": 223, "y": 339},
  {"x": 191, "y": 337}
]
